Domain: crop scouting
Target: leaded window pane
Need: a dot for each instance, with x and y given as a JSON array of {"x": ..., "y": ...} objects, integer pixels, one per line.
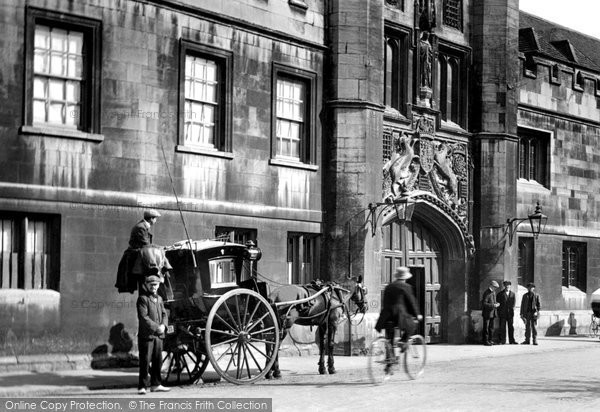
[
  {"x": 39, "y": 111},
  {"x": 39, "y": 88},
  {"x": 290, "y": 117},
  {"x": 453, "y": 13},
  {"x": 55, "y": 113},
  {"x": 58, "y": 72},
  {"x": 201, "y": 101}
]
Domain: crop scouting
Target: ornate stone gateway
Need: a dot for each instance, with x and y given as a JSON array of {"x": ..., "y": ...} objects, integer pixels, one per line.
[
  {"x": 434, "y": 174},
  {"x": 422, "y": 166}
]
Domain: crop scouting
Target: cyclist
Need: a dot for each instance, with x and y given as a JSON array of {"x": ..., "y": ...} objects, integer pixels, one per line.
[{"x": 398, "y": 310}]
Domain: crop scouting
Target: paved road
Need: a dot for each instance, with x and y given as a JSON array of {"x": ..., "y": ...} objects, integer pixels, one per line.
[{"x": 567, "y": 380}]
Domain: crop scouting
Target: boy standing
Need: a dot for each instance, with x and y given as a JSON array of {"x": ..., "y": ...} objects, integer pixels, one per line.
[{"x": 153, "y": 323}]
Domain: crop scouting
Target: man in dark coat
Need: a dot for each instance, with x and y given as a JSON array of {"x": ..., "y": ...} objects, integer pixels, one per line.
[
  {"x": 506, "y": 312},
  {"x": 530, "y": 309},
  {"x": 399, "y": 307},
  {"x": 153, "y": 322},
  {"x": 488, "y": 312},
  {"x": 140, "y": 233},
  {"x": 140, "y": 236}
]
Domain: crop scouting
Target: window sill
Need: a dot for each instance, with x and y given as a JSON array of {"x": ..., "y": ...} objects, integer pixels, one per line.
[
  {"x": 450, "y": 126},
  {"x": 393, "y": 114},
  {"x": 532, "y": 185},
  {"x": 296, "y": 165},
  {"x": 60, "y": 132},
  {"x": 299, "y": 4},
  {"x": 205, "y": 152}
]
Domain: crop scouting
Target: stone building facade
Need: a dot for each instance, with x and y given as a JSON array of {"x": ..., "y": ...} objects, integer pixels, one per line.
[
  {"x": 346, "y": 137},
  {"x": 92, "y": 93}
]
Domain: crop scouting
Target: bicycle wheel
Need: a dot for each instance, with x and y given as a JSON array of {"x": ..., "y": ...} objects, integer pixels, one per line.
[
  {"x": 378, "y": 353},
  {"x": 594, "y": 328},
  {"x": 415, "y": 356}
]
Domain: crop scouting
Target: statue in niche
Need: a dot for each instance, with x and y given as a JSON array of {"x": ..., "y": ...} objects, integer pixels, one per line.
[
  {"x": 426, "y": 60},
  {"x": 403, "y": 166},
  {"x": 445, "y": 182}
]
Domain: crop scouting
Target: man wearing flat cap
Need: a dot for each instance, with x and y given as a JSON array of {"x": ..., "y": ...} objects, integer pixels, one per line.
[
  {"x": 488, "y": 312},
  {"x": 530, "y": 309},
  {"x": 399, "y": 307},
  {"x": 506, "y": 312},
  {"x": 140, "y": 234}
]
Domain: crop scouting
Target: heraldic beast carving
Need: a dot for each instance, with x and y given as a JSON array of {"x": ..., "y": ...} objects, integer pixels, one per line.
[
  {"x": 403, "y": 166},
  {"x": 444, "y": 181}
]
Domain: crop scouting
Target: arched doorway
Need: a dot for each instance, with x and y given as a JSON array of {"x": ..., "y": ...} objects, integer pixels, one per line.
[{"x": 424, "y": 256}]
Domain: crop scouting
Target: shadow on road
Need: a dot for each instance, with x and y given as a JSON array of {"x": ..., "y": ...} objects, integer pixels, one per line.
[{"x": 92, "y": 381}]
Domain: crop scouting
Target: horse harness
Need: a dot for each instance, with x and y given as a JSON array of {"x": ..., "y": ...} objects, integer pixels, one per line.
[{"x": 327, "y": 296}]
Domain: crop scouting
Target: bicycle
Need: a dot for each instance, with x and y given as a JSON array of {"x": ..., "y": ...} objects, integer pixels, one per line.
[
  {"x": 594, "y": 330},
  {"x": 381, "y": 368}
]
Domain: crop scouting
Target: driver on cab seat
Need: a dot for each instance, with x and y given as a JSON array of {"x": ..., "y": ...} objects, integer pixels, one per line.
[{"x": 399, "y": 307}]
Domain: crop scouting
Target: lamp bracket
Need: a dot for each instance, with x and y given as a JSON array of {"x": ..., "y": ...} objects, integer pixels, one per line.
[{"x": 512, "y": 229}]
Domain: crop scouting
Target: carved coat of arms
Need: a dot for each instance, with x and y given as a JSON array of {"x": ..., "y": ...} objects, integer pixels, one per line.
[{"x": 426, "y": 152}]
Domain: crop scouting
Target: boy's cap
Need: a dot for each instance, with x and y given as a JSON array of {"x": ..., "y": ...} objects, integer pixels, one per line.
[{"x": 152, "y": 279}]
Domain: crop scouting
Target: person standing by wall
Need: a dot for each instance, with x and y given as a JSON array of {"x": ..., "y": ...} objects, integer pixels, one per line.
[
  {"x": 506, "y": 312},
  {"x": 530, "y": 310},
  {"x": 153, "y": 322},
  {"x": 488, "y": 312}
]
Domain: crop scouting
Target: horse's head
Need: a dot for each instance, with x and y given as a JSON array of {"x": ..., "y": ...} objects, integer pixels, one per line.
[{"x": 359, "y": 295}]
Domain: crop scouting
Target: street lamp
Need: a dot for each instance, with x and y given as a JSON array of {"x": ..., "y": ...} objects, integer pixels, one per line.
[
  {"x": 404, "y": 208},
  {"x": 537, "y": 220}
]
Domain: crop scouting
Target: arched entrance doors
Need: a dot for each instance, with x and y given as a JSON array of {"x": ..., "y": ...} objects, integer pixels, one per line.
[{"x": 425, "y": 258}]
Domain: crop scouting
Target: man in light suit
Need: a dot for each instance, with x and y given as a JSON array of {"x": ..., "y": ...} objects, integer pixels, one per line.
[
  {"x": 488, "y": 312},
  {"x": 506, "y": 312}
]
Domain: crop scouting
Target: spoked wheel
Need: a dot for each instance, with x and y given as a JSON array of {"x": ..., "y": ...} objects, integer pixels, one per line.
[
  {"x": 594, "y": 328},
  {"x": 378, "y": 360},
  {"x": 415, "y": 356},
  {"x": 183, "y": 363},
  {"x": 242, "y": 336}
]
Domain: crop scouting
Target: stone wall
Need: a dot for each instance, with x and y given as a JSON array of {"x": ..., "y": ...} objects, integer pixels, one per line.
[
  {"x": 98, "y": 189},
  {"x": 571, "y": 117}
]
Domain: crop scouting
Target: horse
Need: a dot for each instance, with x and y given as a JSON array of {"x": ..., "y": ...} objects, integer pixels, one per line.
[{"x": 324, "y": 312}]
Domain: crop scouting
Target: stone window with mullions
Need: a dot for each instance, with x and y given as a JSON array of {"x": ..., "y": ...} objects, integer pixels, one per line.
[
  {"x": 526, "y": 261},
  {"x": 574, "y": 265},
  {"x": 533, "y": 156},
  {"x": 396, "y": 70},
  {"x": 62, "y": 72},
  {"x": 452, "y": 81},
  {"x": 294, "y": 133},
  {"x": 303, "y": 252},
  {"x": 205, "y": 100},
  {"x": 29, "y": 251},
  {"x": 453, "y": 14}
]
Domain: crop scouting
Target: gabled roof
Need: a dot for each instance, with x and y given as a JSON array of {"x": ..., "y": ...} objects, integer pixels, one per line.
[{"x": 557, "y": 42}]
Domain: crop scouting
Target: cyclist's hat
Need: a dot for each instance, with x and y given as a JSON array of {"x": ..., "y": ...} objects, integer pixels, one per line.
[
  {"x": 531, "y": 285},
  {"x": 494, "y": 284},
  {"x": 402, "y": 272}
]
